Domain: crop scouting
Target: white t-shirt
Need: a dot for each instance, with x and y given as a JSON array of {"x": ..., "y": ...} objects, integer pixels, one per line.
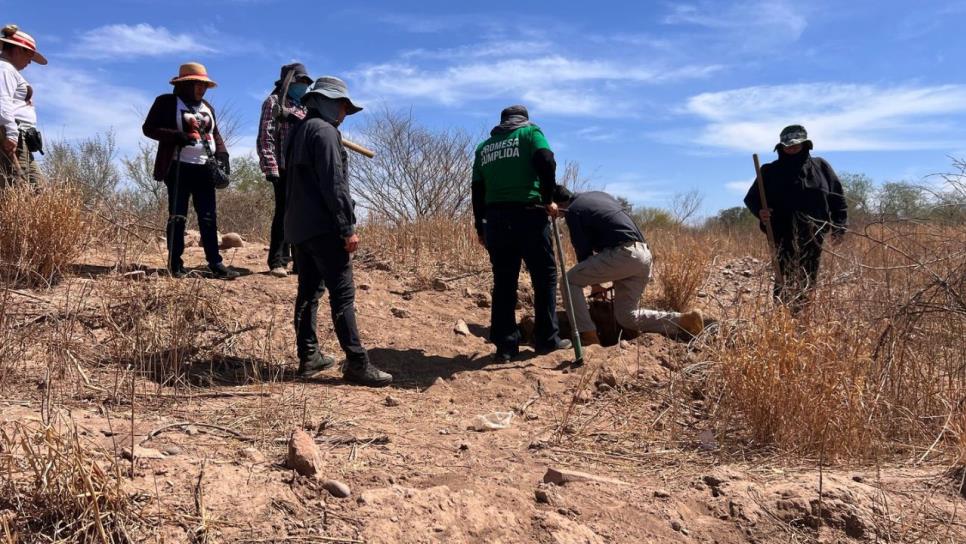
[
  {"x": 16, "y": 104},
  {"x": 195, "y": 154}
]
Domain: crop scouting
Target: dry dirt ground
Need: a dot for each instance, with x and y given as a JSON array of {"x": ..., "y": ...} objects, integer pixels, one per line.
[{"x": 659, "y": 470}]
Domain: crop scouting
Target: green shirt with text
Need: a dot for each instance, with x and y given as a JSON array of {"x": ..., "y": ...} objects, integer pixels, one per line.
[{"x": 504, "y": 163}]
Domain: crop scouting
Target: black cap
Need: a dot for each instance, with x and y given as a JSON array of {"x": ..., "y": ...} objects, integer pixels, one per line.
[
  {"x": 514, "y": 110},
  {"x": 561, "y": 194},
  {"x": 298, "y": 72}
]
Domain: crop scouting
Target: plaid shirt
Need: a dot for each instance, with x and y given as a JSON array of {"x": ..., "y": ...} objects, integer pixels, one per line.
[{"x": 271, "y": 132}]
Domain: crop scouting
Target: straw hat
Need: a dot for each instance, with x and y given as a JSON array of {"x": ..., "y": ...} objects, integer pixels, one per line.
[
  {"x": 193, "y": 71},
  {"x": 12, "y": 34}
]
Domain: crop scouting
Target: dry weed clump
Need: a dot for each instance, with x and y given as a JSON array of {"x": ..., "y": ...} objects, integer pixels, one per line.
[
  {"x": 682, "y": 262},
  {"x": 60, "y": 491},
  {"x": 162, "y": 327},
  {"x": 800, "y": 388},
  {"x": 42, "y": 230},
  {"x": 430, "y": 248},
  {"x": 873, "y": 367}
]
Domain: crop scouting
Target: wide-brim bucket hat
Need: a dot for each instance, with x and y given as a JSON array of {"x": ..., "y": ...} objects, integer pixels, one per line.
[
  {"x": 193, "y": 71},
  {"x": 793, "y": 135},
  {"x": 334, "y": 88},
  {"x": 13, "y": 35}
]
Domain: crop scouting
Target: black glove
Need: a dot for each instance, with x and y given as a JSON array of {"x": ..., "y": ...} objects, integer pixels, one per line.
[
  {"x": 271, "y": 178},
  {"x": 222, "y": 159}
]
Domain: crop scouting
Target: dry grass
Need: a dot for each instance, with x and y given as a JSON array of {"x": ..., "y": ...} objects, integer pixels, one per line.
[
  {"x": 165, "y": 328},
  {"x": 61, "y": 491},
  {"x": 682, "y": 262},
  {"x": 41, "y": 232},
  {"x": 873, "y": 368},
  {"x": 430, "y": 249}
]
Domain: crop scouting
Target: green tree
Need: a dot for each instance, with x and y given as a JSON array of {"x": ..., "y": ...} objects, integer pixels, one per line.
[
  {"x": 859, "y": 193},
  {"x": 901, "y": 200},
  {"x": 735, "y": 217}
]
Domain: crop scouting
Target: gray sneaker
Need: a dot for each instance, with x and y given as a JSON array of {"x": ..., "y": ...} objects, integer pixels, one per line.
[{"x": 278, "y": 272}]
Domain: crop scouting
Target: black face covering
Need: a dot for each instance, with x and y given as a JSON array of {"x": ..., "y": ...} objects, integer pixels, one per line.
[{"x": 185, "y": 90}]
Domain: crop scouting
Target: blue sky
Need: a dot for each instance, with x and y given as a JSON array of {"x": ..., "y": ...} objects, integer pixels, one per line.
[{"x": 651, "y": 98}]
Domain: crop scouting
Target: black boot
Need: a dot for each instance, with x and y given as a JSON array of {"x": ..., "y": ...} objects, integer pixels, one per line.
[
  {"x": 314, "y": 364},
  {"x": 362, "y": 372},
  {"x": 560, "y": 344},
  {"x": 221, "y": 272}
]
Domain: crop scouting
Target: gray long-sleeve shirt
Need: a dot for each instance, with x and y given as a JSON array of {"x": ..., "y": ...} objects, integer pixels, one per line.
[
  {"x": 597, "y": 221},
  {"x": 317, "y": 190}
]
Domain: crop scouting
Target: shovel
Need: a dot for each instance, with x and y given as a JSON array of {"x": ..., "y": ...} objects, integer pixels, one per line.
[{"x": 568, "y": 299}]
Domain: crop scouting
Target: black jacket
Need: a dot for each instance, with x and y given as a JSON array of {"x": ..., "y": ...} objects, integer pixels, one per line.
[
  {"x": 804, "y": 194},
  {"x": 161, "y": 124},
  {"x": 317, "y": 189},
  {"x": 597, "y": 221}
]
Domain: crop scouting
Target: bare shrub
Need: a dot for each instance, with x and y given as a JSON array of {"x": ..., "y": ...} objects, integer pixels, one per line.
[
  {"x": 89, "y": 164},
  {"x": 41, "y": 232},
  {"x": 417, "y": 173},
  {"x": 685, "y": 205},
  {"x": 61, "y": 491}
]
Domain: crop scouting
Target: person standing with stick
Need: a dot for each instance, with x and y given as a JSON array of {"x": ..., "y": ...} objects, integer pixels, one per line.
[
  {"x": 805, "y": 203},
  {"x": 280, "y": 111},
  {"x": 514, "y": 173},
  {"x": 320, "y": 223}
]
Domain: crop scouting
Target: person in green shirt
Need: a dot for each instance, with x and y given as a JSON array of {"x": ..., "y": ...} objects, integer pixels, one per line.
[{"x": 514, "y": 174}]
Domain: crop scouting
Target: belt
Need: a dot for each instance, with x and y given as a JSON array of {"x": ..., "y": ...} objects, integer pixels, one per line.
[{"x": 628, "y": 243}]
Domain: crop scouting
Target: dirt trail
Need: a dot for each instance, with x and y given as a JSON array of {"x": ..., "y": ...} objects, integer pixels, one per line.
[{"x": 418, "y": 474}]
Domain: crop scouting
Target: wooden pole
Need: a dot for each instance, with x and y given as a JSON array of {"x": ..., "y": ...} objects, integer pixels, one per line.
[
  {"x": 364, "y": 151},
  {"x": 772, "y": 250}
]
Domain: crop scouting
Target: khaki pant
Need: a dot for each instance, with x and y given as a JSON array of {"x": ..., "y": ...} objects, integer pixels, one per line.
[
  {"x": 28, "y": 172},
  {"x": 629, "y": 268}
]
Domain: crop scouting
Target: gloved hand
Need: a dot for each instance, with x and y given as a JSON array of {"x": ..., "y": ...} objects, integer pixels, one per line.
[
  {"x": 271, "y": 178},
  {"x": 225, "y": 163},
  {"x": 184, "y": 140}
]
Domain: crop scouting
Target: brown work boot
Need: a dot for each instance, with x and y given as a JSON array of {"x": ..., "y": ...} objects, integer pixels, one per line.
[
  {"x": 589, "y": 338},
  {"x": 691, "y": 322}
]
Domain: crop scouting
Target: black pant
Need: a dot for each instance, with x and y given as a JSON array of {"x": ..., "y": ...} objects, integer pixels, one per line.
[
  {"x": 192, "y": 181},
  {"x": 798, "y": 260},
  {"x": 514, "y": 235},
  {"x": 279, "y": 251},
  {"x": 324, "y": 262}
]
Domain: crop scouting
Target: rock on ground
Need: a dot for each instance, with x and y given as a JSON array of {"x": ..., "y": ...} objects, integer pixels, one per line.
[{"x": 303, "y": 454}]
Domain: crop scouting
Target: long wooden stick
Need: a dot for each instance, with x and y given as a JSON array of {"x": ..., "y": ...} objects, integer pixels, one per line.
[
  {"x": 352, "y": 146},
  {"x": 772, "y": 250}
]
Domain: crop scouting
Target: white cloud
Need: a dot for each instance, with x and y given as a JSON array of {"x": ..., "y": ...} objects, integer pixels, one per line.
[
  {"x": 740, "y": 186},
  {"x": 638, "y": 190},
  {"x": 775, "y": 17},
  {"x": 130, "y": 41},
  {"x": 74, "y": 104},
  {"x": 552, "y": 83},
  {"x": 597, "y": 134},
  {"x": 838, "y": 116}
]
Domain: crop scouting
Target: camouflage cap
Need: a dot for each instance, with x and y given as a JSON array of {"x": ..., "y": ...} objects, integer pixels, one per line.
[{"x": 792, "y": 135}]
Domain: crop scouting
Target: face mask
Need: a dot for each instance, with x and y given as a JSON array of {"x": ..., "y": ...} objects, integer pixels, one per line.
[{"x": 296, "y": 90}]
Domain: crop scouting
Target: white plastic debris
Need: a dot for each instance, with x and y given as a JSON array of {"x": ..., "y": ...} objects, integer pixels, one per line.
[{"x": 493, "y": 421}]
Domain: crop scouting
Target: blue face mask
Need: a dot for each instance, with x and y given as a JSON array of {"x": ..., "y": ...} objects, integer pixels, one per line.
[{"x": 297, "y": 90}]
